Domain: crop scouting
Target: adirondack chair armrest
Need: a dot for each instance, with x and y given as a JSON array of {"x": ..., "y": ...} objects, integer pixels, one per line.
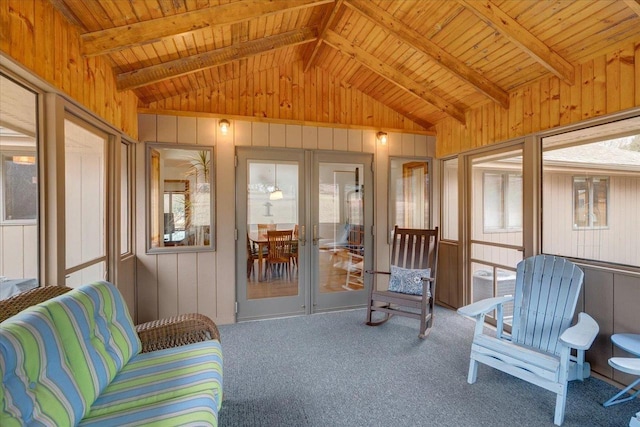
[
  {"x": 581, "y": 335},
  {"x": 484, "y": 306}
]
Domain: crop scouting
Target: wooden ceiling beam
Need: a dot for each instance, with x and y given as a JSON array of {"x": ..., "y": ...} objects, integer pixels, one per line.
[
  {"x": 426, "y": 46},
  {"x": 633, "y": 5},
  {"x": 126, "y": 36},
  {"x": 336, "y": 41},
  {"x": 156, "y": 73},
  {"x": 521, "y": 37},
  {"x": 327, "y": 22}
]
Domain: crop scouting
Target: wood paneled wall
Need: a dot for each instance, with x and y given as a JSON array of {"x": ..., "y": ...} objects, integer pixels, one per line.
[
  {"x": 605, "y": 84},
  {"x": 34, "y": 34},
  {"x": 170, "y": 284},
  {"x": 287, "y": 93},
  {"x": 19, "y": 251}
]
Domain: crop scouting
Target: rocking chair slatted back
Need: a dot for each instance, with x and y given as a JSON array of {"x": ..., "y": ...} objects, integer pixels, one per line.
[
  {"x": 547, "y": 290},
  {"x": 413, "y": 248}
]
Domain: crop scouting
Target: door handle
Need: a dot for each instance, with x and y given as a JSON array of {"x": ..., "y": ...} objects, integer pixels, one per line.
[
  {"x": 302, "y": 238},
  {"x": 316, "y": 239}
]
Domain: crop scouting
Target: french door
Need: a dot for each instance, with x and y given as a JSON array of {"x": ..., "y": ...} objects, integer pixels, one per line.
[{"x": 322, "y": 203}]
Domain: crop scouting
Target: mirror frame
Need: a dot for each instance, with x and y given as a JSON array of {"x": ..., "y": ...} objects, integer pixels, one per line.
[{"x": 149, "y": 148}]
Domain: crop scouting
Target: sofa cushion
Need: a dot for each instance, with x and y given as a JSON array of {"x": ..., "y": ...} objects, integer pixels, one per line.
[
  {"x": 198, "y": 409},
  {"x": 38, "y": 387},
  {"x": 97, "y": 335},
  {"x": 164, "y": 374}
]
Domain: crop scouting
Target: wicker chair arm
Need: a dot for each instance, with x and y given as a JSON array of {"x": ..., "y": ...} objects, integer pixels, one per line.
[
  {"x": 176, "y": 330},
  {"x": 15, "y": 304}
]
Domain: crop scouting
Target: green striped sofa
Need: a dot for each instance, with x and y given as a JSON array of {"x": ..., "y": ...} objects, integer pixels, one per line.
[{"x": 75, "y": 360}]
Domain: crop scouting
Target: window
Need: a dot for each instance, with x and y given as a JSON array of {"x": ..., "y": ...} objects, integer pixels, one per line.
[
  {"x": 180, "y": 199},
  {"x": 19, "y": 231},
  {"x": 502, "y": 201},
  {"x": 590, "y": 195},
  {"x": 409, "y": 198},
  {"x": 85, "y": 196},
  {"x": 449, "y": 218},
  {"x": 125, "y": 198},
  {"x": 19, "y": 187}
]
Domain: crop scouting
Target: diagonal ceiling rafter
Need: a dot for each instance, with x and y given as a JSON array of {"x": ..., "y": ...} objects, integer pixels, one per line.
[
  {"x": 424, "y": 45},
  {"x": 401, "y": 80},
  {"x": 633, "y": 5},
  {"x": 156, "y": 73},
  {"x": 327, "y": 22},
  {"x": 127, "y": 36},
  {"x": 521, "y": 37}
]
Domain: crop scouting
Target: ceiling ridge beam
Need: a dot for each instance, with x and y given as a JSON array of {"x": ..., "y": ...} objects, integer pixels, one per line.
[
  {"x": 113, "y": 39},
  {"x": 159, "y": 72},
  {"x": 493, "y": 16},
  {"x": 422, "y": 44},
  {"x": 401, "y": 80},
  {"x": 328, "y": 21}
]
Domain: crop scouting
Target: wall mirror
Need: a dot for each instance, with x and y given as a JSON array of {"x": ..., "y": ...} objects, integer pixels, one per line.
[{"x": 180, "y": 198}]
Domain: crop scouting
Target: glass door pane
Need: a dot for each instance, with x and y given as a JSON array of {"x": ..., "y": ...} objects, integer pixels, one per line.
[
  {"x": 85, "y": 202},
  {"x": 496, "y": 244},
  {"x": 270, "y": 248},
  {"x": 342, "y": 215}
]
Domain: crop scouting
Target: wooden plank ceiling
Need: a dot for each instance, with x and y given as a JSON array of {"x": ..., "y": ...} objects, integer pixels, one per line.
[{"x": 345, "y": 62}]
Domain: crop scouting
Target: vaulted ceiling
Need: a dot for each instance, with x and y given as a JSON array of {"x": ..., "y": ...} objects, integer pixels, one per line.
[{"x": 361, "y": 62}]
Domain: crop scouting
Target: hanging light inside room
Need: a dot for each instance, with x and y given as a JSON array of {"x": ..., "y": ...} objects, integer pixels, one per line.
[
  {"x": 24, "y": 160},
  {"x": 276, "y": 194}
]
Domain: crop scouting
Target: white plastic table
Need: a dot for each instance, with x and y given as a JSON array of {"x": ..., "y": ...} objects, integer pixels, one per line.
[
  {"x": 11, "y": 287},
  {"x": 630, "y": 365}
]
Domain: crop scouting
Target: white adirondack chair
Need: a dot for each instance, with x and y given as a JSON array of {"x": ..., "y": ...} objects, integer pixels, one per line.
[{"x": 539, "y": 348}]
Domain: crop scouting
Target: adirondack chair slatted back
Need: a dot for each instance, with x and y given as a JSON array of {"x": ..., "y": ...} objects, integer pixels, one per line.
[
  {"x": 546, "y": 295},
  {"x": 414, "y": 249}
]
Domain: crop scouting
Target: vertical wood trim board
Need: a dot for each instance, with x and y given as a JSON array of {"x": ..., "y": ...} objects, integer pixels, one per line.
[
  {"x": 269, "y": 93},
  {"x": 39, "y": 37},
  {"x": 604, "y": 85}
]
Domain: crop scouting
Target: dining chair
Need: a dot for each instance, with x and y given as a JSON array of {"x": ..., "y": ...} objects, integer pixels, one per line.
[{"x": 279, "y": 251}]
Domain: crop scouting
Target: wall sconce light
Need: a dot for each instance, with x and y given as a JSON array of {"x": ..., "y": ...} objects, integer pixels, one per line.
[
  {"x": 224, "y": 126},
  {"x": 382, "y": 137},
  {"x": 24, "y": 160}
]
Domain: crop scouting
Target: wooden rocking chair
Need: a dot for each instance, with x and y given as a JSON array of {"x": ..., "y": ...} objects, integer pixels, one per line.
[
  {"x": 539, "y": 349},
  {"x": 412, "y": 284}
]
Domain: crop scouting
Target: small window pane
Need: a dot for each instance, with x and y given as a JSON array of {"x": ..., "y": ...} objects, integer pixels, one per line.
[
  {"x": 449, "y": 218},
  {"x": 409, "y": 196}
]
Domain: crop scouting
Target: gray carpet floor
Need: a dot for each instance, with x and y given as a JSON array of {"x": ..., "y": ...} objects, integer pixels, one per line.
[{"x": 333, "y": 370}]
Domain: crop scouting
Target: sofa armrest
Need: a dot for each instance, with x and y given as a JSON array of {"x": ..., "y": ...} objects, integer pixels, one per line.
[
  {"x": 15, "y": 304},
  {"x": 176, "y": 330}
]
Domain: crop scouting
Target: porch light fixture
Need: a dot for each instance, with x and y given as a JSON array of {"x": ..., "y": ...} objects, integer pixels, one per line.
[
  {"x": 24, "y": 160},
  {"x": 276, "y": 194},
  {"x": 382, "y": 137},
  {"x": 224, "y": 126}
]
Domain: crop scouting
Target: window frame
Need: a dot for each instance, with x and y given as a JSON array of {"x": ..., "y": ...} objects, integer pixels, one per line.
[
  {"x": 589, "y": 181},
  {"x": 152, "y": 147}
]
